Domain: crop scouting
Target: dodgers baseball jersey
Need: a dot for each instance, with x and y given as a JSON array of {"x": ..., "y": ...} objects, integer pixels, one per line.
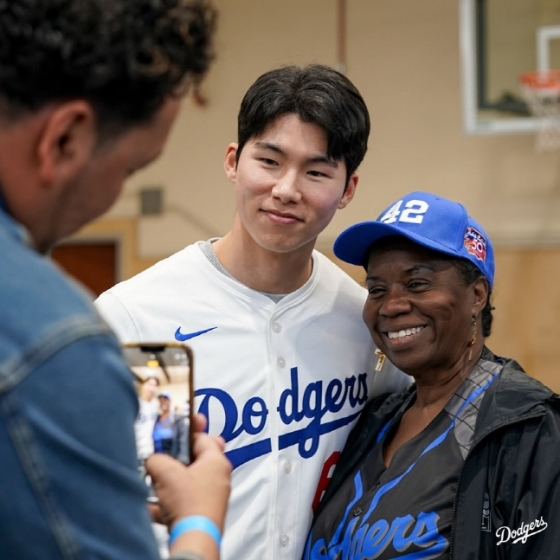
[{"x": 282, "y": 382}]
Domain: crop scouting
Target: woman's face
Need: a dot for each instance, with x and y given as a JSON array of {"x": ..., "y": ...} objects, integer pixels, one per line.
[
  {"x": 164, "y": 404},
  {"x": 419, "y": 309}
]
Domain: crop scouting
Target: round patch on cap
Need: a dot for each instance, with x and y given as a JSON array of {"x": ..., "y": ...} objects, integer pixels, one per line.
[{"x": 475, "y": 243}]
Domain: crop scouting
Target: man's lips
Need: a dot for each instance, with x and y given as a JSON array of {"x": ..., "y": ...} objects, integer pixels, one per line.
[{"x": 281, "y": 217}]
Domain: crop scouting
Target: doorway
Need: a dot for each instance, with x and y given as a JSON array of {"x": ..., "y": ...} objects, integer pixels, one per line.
[{"x": 92, "y": 263}]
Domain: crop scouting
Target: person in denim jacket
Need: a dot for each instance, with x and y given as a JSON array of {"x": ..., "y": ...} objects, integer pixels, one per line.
[{"x": 89, "y": 90}]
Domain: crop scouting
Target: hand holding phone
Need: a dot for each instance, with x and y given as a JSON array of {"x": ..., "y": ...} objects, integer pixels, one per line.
[
  {"x": 163, "y": 376},
  {"x": 202, "y": 488}
]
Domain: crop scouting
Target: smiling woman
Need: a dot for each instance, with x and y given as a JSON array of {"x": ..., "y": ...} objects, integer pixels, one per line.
[
  {"x": 421, "y": 312},
  {"x": 471, "y": 439}
]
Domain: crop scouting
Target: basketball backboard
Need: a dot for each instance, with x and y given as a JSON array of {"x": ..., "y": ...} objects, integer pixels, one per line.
[{"x": 500, "y": 40}]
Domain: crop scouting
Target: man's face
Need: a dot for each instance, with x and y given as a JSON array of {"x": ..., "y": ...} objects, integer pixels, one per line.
[
  {"x": 93, "y": 192},
  {"x": 149, "y": 388},
  {"x": 287, "y": 189}
]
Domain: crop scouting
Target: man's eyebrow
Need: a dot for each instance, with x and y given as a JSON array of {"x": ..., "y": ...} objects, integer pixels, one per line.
[
  {"x": 323, "y": 159},
  {"x": 262, "y": 145}
]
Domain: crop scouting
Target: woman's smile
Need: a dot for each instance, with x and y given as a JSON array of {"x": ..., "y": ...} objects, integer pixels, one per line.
[{"x": 403, "y": 336}]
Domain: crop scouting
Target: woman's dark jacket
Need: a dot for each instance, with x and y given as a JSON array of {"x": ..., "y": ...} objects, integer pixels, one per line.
[{"x": 514, "y": 461}]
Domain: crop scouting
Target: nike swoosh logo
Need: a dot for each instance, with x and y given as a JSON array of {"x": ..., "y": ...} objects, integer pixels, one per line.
[{"x": 182, "y": 337}]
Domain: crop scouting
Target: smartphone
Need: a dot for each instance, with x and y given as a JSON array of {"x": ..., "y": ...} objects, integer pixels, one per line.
[{"x": 163, "y": 377}]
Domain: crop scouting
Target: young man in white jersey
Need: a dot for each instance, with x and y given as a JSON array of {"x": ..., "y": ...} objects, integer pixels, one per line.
[
  {"x": 284, "y": 362},
  {"x": 148, "y": 410}
]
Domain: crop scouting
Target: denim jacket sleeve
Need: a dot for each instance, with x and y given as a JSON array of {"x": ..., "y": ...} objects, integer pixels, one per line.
[{"x": 70, "y": 487}]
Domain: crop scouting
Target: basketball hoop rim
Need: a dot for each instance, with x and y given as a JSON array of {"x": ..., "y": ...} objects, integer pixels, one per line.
[{"x": 541, "y": 80}]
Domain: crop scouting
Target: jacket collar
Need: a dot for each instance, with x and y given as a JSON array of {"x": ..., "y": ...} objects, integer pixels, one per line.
[{"x": 514, "y": 396}]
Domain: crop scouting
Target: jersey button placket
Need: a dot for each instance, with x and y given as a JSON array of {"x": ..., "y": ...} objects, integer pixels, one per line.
[
  {"x": 287, "y": 466},
  {"x": 284, "y": 540},
  {"x": 280, "y": 361}
]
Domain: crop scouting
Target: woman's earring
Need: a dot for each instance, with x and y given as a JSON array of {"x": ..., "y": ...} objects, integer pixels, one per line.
[
  {"x": 380, "y": 360},
  {"x": 473, "y": 339}
]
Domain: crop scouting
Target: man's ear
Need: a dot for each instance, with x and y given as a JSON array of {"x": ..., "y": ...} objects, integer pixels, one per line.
[
  {"x": 230, "y": 162},
  {"x": 349, "y": 192},
  {"x": 66, "y": 143}
]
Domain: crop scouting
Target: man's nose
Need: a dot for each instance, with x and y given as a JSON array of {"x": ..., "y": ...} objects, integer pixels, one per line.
[{"x": 287, "y": 187}]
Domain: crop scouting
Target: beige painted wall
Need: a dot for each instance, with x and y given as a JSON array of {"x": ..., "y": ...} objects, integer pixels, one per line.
[{"x": 404, "y": 57}]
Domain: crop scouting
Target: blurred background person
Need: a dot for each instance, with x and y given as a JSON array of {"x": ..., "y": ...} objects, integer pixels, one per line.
[
  {"x": 170, "y": 430},
  {"x": 148, "y": 409},
  {"x": 163, "y": 428}
]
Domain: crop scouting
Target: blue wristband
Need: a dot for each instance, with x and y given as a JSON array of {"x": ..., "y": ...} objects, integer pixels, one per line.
[{"x": 195, "y": 523}]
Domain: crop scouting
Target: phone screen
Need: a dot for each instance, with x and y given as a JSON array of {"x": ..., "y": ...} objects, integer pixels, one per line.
[{"x": 163, "y": 377}]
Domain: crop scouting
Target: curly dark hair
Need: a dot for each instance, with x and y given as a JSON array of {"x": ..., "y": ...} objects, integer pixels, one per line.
[
  {"x": 125, "y": 57},
  {"x": 316, "y": 94}
]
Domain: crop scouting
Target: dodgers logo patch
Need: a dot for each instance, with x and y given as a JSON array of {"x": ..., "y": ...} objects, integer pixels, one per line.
[
  {"x": 475, "y": 243},
  {"x": 521, "y": 534}
]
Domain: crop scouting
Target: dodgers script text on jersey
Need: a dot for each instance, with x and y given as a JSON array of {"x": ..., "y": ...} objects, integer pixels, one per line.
[{"x": 307, "y": 405}]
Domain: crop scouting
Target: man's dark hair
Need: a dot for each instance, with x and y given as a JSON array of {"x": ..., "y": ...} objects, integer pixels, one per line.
[
  {"x": 125, "y": 57},
  {"x": 316, "y": 94}
]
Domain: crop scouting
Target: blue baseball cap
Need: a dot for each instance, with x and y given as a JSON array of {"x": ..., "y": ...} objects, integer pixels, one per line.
[
  {"x": 165, "y": 395},
  {"x": 429, "y": 220}
]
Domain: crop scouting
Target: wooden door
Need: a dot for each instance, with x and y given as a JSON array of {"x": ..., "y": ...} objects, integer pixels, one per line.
[{"x": 93, "y": 263}]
